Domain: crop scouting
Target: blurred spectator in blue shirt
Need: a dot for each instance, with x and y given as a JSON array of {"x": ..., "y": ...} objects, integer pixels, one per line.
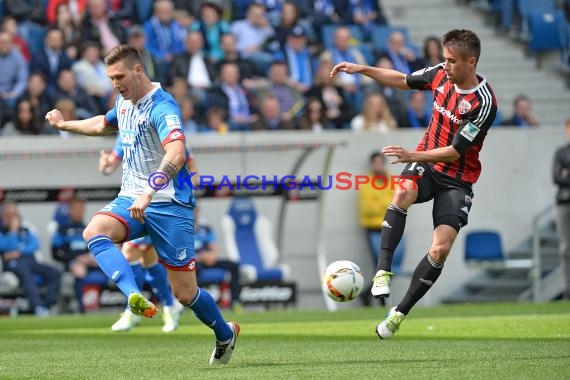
[{"x": 18, "y": 245}]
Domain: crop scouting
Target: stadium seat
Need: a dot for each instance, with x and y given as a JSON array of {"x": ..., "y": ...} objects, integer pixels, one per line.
[
  {"x": 484, "y": 248},
  {"x": 546, "y": 30},
  {"x": 381, "y": 33},
  {"x": 249, "y": 240},
  {"x": 526, "y": 7}
]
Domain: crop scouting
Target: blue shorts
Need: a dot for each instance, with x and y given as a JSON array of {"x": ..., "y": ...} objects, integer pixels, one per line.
[{"x": 169, "y": 225}]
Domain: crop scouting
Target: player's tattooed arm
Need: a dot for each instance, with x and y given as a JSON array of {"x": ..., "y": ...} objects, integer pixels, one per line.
[{"x": 168, "y": 168}]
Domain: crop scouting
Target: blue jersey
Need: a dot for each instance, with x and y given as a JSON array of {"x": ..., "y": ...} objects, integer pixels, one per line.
[{"x": 144, "y": 129}]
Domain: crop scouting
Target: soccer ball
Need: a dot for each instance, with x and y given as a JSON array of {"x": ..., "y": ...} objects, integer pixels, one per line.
[{"x": 342, "y": 281}]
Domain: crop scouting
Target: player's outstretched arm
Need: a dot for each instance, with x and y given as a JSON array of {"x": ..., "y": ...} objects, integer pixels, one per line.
[
  {"x": 386, "y": 77},
  {"x": 94, "y": 126},
  {"x": 443, "y": 154}
]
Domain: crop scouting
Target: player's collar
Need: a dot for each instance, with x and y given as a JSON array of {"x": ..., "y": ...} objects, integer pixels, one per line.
[
  {"x": 155, "y": 87},
  {"x": 482, "y": 82}
]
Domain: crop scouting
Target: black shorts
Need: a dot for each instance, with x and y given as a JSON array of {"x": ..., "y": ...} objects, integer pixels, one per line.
[{"x": 451, "y": 198}]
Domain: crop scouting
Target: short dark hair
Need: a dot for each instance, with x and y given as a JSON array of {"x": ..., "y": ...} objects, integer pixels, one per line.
[
  {"x": 123, "y": 53},
  {"x": 375, "y": 155},
  {"x": 463, "y": 39}
]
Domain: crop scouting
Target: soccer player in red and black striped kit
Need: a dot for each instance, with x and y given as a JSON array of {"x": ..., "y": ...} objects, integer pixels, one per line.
[{"x": 446, "y": 161}]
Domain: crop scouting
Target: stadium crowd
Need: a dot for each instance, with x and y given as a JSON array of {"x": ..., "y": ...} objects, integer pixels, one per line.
[{"x": 232, "y": 66}]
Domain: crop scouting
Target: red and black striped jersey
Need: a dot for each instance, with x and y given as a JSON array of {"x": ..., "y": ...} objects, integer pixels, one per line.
[{"x": 469, "y": 113}]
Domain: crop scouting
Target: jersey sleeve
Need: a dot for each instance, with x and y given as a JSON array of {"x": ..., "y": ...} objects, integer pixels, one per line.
[
  {"x": 118, "y": 148},
  {"x": 111, "y": 118},
  {"x": 167, "y": 121},
  {"x": 423, "y": 78},
  {"x": 475, "y": 125}
]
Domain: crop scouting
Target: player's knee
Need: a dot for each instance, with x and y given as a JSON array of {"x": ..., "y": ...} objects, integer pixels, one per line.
[
  {"x": 149, "y": 258},
  {"x": 184, "y": 296},
  {"x": 440, "y": 251},
  {"x": 404, "y": 197}
]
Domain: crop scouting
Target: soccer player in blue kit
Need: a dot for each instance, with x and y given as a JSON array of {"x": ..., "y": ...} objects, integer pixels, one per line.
[{"x": 151, "y": 201}]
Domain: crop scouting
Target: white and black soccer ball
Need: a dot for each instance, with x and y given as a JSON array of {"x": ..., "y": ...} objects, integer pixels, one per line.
[{"x": 342, "y": 281}]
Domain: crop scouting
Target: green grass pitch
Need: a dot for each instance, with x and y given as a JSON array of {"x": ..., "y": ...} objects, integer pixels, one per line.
[{"x": 498, "y": 341}]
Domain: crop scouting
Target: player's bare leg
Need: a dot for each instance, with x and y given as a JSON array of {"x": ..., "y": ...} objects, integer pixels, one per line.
[
  {"x": 186, "y": 290},
  {"x": 425, "y": 275},
  {"x": 392, "y": 231}
]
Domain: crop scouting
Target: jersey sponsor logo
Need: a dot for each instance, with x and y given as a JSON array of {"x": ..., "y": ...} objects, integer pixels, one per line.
[
  {"x": 172, "y": 122},
  {"x": 123, "y": 111},
  {"x": 470, "y": 131},
  {"x": 464, "y": 107},
  {"x": 445, "y": 112}
]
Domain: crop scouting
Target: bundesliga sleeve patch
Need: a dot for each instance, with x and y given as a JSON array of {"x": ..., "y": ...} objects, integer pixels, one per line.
[
  {"x": 470, "y": 131},
  {"x": 172, "y": 122}
]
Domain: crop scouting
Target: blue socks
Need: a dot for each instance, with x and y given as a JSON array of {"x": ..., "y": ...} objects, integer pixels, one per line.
[
  {"x": 113, "y": 264},
  {"x": 205, "y": 308},
  {"x": 159, "y": 283},
  {"x": 139, "y": 272}
]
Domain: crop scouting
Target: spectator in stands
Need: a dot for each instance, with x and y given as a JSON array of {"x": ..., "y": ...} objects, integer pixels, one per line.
[
  {"x": 375, "y": 117},
  {"x": 403, "y": 58},
  {"x": 52, "y": 58},
  {"x": 271, "y": 117},
  {"x": 207, "y": 253},
  {"x": 365, "y": 13},
  {"x": 30, "y": 16},
  {"x": 179, "y": 88},
  {"x": 10, "y": 25},
  {"x": 189, "y": 124},
  {"x": 136, "y": 38},
  {"x": 337, "y": 110},
  {"x": 523, "y": 116},
  {"x": 193, "y": 65},
  {"x": 69, "y": 248},
  {"x": 324, "y": 12},
  {"x": 87, "y": 106},
  {"x": 98, "y": 26},
  {"x": 67, "y": 22},
  {"x": 164, "y": 39},
  {"x": 290, "y": 19},
  {"x": 14, "y": 76},
  {"x": 212, "y": 27},
  {"x": 251, "y": 35},
  {"x": 283, "y": 88},
  {"x": 418, "y": 117},
  {"x": 91, "y": 72},
  {"x": 231, "y": 96},
  {"x": 24, "y": 121},
  {"x": 68, "y": 108},
  {"x": 75, "y": 8},
  {"x": 37, "y": 94},
  {"x": 432, "y": 53},
  {"x": 395, "y": 98},
  {"x": 18, "y": 245},
  {"x": 314, "y": 118},
  {"x": 561, "y": 177},
  {"x": 216, "y": 121},
  {"x": 343, "y": 51},
  {"x": 372, "y": 206},
  {"x": 300, "y": 61},
  {"x": 250, "y": 74}
]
